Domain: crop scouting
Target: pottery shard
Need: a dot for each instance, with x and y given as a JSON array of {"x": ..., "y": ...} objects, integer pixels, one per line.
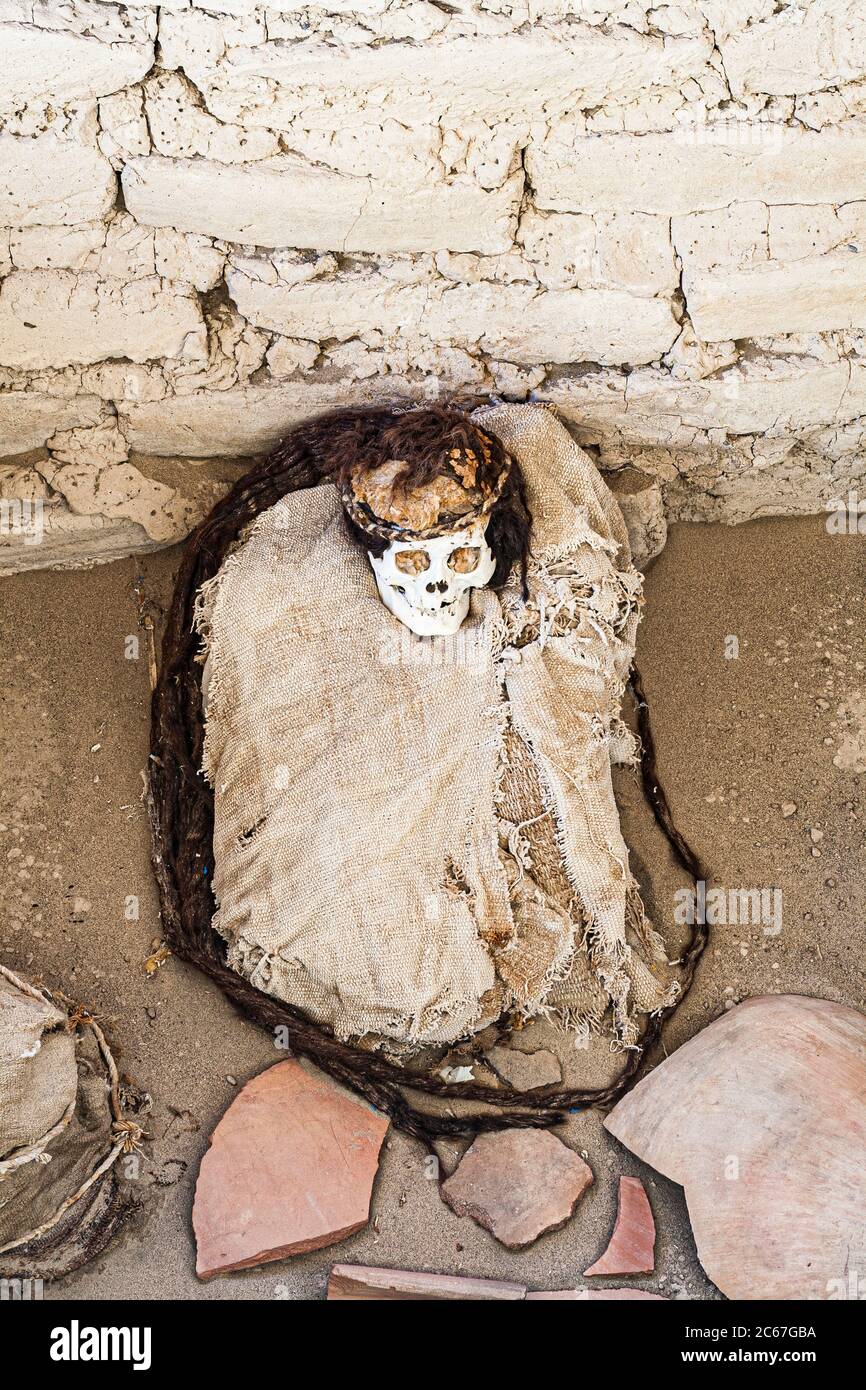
[
  {"x": 525, "y": 1070},
  {"x": 366, "y": 1282},
  {"x": 290, "y": 1168},
  {"x": 631, "y": 1246},
  {"x": 762, "y": 1119},
  {"x": 517, "y": 1183},
  {"x": 586, "y": 1295}
]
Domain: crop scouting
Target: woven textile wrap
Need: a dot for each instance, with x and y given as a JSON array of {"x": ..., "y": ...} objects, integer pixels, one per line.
[
  {"x": 38, "y": 1075},
  {"x": 60, "y": 1200},
  {"x": 413, "y": 835}
]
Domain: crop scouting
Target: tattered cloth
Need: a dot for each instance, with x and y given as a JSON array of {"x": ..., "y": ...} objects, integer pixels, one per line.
[
  {"x": 60, "y": 1197},
  {"x": 413, "y": 836}
]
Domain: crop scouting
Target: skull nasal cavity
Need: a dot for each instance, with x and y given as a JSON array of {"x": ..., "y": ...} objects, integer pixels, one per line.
[{"x": 441, "y": 587}]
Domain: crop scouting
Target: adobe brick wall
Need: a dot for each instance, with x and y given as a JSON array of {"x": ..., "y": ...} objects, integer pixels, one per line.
[{"x": 218, "y": 217}]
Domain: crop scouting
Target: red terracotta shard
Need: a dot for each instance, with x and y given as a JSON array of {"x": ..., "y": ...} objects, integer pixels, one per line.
[
  {"x": 517, "y": 1183},
  {"x": 588, "y": 1295},
  {"x": 631, "y": 1246},
  {"x": 290, "y": 1168},
  {"x": 366, "y": 1282}
]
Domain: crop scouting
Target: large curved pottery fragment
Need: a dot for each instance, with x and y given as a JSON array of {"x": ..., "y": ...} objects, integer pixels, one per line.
[{"x": 762, "y": 1119}]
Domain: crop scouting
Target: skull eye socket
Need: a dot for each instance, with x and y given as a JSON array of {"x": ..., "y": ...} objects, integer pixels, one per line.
[
  {"x": 412, "y": 561},
  {"x": 464, "y": 559}
]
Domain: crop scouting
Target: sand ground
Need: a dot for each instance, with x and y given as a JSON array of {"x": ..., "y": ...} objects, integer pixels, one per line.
[{"x": 739, "y": 735}]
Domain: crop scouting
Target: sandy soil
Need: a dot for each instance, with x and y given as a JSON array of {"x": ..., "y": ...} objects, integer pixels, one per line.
[{"x": 784, "y": 721}]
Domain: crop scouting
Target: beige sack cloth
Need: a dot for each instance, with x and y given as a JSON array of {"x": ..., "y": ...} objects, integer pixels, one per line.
[
  {"x": 56, "y": 1131},
  {"x": 38, "y": 1075},
  {"x": 413, "y": 835}
]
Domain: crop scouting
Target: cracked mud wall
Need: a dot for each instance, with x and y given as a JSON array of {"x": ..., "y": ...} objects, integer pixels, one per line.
[{"x": 218, "y": 217}]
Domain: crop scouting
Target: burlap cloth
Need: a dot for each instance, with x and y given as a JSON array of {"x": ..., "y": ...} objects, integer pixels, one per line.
[
  {"x": 414, "y": 835},
  {"x": 57, "y": 1133}
]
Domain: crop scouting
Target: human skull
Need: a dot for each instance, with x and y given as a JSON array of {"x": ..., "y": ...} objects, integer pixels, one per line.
[{"x": 426, "y": 584}]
